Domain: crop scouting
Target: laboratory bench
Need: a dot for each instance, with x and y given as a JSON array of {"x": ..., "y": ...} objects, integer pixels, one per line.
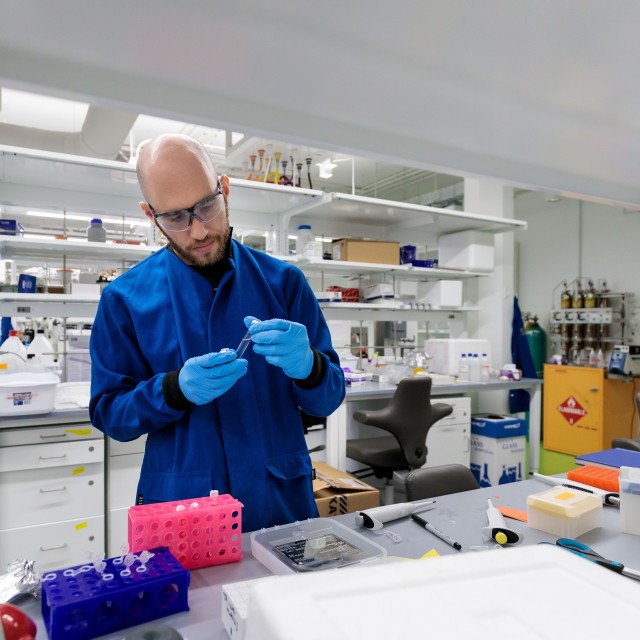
[{"x": 461, "y": 516}]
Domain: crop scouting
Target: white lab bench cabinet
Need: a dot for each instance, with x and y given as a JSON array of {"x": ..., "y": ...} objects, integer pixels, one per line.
[
  {"x": 124, "y": 460},
  {"x": 52, "y": 494}
]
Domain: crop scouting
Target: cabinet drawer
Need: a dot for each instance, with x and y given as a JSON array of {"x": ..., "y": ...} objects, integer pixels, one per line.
[
  {"x": 41, "y": 456},
  {"x": 48, "y": 495},
  {"x": 51, "y": 433},
  {"x": 54, "y": 546},
  {"x": 124, "y": 473}
]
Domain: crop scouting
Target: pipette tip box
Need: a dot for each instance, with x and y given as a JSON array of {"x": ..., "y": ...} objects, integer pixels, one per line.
[
  {"x": 314, "y": 544},
  {"x": 78, "y": 603},
  {"x": 565, "y": 512},
  {"x": 200, "y": 532}
]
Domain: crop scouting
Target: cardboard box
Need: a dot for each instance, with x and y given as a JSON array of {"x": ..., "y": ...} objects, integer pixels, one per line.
[
  {"x": 466, "y": 250},
  {"x": 498, "y": 449},
  {"x": 337, "y": 492},
  {"x": 377, "y": 251}
]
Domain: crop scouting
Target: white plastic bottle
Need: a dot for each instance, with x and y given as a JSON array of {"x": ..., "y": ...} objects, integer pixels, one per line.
[
  {"x": 15, "y": 351},
  {"x": 42, "y": 349},
  {"x": 305, "y": 241},
  {"x": 96, "y": 232},
  {"x": 463, "y": 368},
  {"x": 485, "y": 368},
  {"x": 474, "y": 368}
]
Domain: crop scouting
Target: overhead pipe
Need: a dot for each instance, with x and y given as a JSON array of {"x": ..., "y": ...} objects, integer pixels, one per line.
[{"x": 102, "y": 135}]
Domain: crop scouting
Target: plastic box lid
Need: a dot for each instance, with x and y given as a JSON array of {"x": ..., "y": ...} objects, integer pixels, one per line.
[
  {"x": 315, "y": 544},
  {"x": 564, "y": 502}
]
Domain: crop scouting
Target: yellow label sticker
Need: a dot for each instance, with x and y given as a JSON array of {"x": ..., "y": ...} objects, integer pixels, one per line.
[
  {"x": 79, "y": 432},
  {"x": 77, "y": 471},
  {"x": 564, "y": 496},
  {"x": 432, "y": 553},
  {"x": 81, "y": 525}
]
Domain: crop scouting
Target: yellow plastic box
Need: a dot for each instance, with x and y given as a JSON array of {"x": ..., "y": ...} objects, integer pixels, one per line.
[{"x": 565, "y": 512}]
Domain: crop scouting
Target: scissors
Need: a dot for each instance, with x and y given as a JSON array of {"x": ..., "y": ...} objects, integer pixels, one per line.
[{"x": 581, "y": 549}]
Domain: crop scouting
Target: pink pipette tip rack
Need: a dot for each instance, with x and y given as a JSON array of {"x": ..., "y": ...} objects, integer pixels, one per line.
[{"x": 200, "y": 532}]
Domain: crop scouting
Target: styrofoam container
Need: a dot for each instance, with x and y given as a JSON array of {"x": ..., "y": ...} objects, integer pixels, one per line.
[
  {"x": 467, "y": 250},
  {"x": 445, "y": 352},
  {"x": 27, "y": 393},
  {"x": 565, "y": 512},
  {"x": 443, "y": 293}
]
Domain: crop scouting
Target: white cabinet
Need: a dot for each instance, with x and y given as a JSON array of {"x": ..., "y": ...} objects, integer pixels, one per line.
[
  {"x": 448, "y": 441},
  {"x": 124, "y": 460},
  {"x": 52, "y": 494}
]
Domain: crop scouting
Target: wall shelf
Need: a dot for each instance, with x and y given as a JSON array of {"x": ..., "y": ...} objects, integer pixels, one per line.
[
  {"x": 383, "y": 312},
  {"x": 48, "y": 305}
]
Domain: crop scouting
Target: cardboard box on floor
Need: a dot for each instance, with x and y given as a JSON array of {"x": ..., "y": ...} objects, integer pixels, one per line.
[{"x": 337, "y": 492}]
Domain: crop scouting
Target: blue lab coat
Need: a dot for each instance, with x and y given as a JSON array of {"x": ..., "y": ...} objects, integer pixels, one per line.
[{"x": 249, "y": 442}]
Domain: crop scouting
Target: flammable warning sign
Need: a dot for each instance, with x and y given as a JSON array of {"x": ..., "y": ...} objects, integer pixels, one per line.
[{"x": 572, "y": 410}]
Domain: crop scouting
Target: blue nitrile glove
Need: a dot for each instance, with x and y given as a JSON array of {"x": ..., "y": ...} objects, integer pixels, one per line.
[
  {"x": 204, "y": 378},
  {"x": 284, "y": 344}
]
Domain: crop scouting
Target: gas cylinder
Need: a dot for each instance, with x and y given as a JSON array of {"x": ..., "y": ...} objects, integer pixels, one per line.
[{"x": 537, "y": 339}]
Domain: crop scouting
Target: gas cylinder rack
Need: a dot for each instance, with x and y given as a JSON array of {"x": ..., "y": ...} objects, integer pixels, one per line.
[{"x": 589, "y": 321}]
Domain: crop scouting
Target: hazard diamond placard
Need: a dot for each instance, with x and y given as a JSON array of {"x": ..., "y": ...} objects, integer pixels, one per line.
[{"x": 572, "y": 410}]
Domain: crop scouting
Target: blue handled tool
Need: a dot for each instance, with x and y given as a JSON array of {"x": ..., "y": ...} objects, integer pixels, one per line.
[{"x": 583, "y": 550}]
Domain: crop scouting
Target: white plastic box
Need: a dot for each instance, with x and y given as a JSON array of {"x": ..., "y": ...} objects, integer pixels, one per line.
[
  {"x": 443, "y": 293},
  {"x": 564, "y": 512},
  {"x": 445, "y": 353},
  {"x": 27, "y": 393},
  {"x": 466, "y": 250},
  {"x": 630, "y": 500}
]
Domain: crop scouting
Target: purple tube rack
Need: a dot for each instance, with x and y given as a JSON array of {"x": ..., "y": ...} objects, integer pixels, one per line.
[{"x": 85, "y": 606}]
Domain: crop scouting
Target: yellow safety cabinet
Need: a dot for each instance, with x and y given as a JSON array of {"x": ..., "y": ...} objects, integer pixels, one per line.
[{"x": 584, "y": 410}]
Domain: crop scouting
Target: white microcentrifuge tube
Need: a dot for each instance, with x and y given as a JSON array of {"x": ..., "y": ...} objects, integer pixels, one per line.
[
  {"x": 143, "y": 558},
  {"x": 194, "y": 505},
  {"x": 124, "y": 549},
  {"x": 180, "y": 507}
]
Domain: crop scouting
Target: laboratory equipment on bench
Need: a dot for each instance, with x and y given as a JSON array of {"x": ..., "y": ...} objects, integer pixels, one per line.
[
  {"x": 625, "y": 360},
  {"x": 584, "y": 551},
  {"x": 376, "y": 517},
  {"x": 497, "y": 528}
]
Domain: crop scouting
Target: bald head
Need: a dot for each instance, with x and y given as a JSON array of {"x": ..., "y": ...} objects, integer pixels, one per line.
[{"x": 171, "y": 165}]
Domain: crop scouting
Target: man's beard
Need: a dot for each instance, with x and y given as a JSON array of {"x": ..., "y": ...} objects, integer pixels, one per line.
[{"x": 192, "y": 257}]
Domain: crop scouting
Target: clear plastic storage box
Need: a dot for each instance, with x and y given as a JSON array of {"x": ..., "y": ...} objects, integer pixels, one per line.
[{"x": 315, "y": 544}]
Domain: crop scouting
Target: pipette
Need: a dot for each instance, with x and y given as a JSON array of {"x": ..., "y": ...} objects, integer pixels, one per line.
[{"x": 376, "y": 517}]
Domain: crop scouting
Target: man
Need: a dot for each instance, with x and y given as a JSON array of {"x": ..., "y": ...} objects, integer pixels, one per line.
[{"x": 159, "y": 364}]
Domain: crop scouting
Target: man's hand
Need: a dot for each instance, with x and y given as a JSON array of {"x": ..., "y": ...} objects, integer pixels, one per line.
[
  {"x": 284, "y": 344},
  {"x": 206, "y": 377}
]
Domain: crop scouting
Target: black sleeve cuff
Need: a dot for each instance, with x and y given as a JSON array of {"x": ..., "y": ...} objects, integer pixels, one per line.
[
  {"x": 317, "y": 372},
  {"x": 173, "y": 395}
]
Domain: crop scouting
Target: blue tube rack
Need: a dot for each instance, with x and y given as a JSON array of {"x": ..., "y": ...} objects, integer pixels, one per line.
[{"x": 81, "y": 605}]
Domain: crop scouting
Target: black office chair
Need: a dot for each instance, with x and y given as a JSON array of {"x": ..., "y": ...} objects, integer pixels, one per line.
[
  {"x": 421, "y": 484},
  {"x": 628, "y": 443},
  {"x": 408, "y": 417}
]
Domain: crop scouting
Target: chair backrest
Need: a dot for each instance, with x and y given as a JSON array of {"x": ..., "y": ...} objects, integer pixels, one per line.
[
  {"x": 408, "y": 416},
  {"x": 439, "y": 481}
]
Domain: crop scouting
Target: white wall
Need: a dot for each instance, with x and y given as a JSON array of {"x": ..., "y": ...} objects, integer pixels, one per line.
[{"x": 567, "y": 239}]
